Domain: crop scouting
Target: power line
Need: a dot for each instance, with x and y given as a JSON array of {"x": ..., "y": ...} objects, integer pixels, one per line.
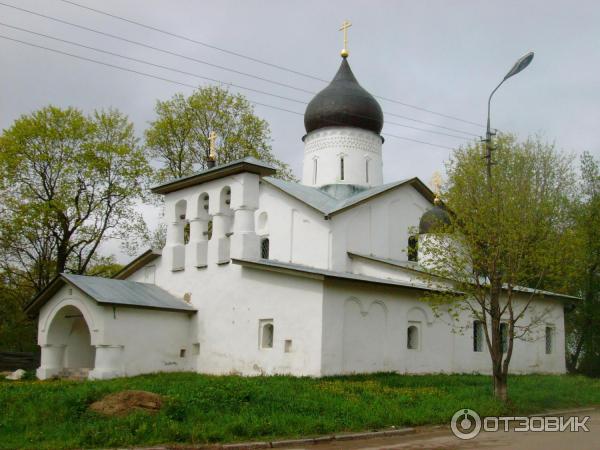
[
  {"x": 160, "y": 66},
  {"x": 185, "y": 38},
  {"x": 260, "y": 61},
  {"x": 113, "y": 36},
  {"x": 126, "y": 69},
  {"x": 431, "y": 124},
  {"x": 151, "y": 47},
  {"x": 416, "y": 140}
]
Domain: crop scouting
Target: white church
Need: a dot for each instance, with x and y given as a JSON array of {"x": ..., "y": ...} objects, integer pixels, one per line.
[{"x": 313, "y": 278}]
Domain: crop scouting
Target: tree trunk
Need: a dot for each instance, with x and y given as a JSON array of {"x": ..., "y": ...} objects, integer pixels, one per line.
[
  {"x": 574, "y": 359},
  {"x": 501, "y": 386}
]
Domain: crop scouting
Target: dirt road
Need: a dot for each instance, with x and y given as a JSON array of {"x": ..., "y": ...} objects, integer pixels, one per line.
[{"x": 428, "y": 439}]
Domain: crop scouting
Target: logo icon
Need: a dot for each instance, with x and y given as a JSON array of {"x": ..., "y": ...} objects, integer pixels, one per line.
[{"x": 465, "y": 424}]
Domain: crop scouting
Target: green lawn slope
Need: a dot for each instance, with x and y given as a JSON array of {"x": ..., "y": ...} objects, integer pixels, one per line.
[{"x": 207, "y": 409}]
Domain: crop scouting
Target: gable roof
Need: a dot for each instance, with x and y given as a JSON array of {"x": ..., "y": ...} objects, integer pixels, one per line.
[
  {"x": 112, "y": 292},
  {"x": 416, "y": 267},
  {"x": 139, "y": 262},
  {"x": 248, "y": 164},
  {"x": 329, "y": 205},
  {"x": 321, "y": 274}
]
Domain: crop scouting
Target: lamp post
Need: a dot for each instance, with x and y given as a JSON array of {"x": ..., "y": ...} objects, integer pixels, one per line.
[{"x": 521, "y": 64}]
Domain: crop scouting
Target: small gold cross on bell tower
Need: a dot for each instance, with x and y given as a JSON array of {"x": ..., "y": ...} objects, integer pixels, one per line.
[
  {"x": 212, "y": 137},
  {"x": 347, "y": 24},
  {"x": 212, "y": 157}
]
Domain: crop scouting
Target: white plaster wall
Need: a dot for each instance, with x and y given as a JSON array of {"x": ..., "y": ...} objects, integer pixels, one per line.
[
  {"x": 144, "y": 340},
  {"x": 297, "y": 233},
  {"x": 328, "y": 145},
  {"x": 529, "y": 354},
  {"x": 439, "y": 350},
  {"x": 150, "y": 340},
  {"x": 379, "y": 227},
  {"x": 231, "y": 301}
]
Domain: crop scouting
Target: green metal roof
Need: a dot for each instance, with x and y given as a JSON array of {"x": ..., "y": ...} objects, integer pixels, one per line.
[
  {"x": 329, "y": 205},
  {"x": 124, "y": 292},
  {"x": 113, "y": 292}
]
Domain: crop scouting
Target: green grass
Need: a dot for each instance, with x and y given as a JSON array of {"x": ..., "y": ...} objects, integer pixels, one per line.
[{"x": 206, "y": 409}]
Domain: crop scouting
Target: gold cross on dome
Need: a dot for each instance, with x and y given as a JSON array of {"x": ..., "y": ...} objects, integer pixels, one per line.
[
  {"x": 347, "y": 24},
  {"x": 436, "y": 184},
  {"x": 213, "y": 143}
]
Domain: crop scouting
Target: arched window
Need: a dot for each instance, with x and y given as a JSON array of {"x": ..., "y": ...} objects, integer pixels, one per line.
[
  {"x": 342, "y": 168},
  {"x": 367, "y": 170},
  {"x": 549, "y": 340},
  {"x": 477, "y": 336},
  {"x": 412, "y": 249},
  {"x": 315, "y": 167},
  {"x": 264, "y": 248},
  {"x": 266, "y": 333},
  {"x": 412, "y": 341}
]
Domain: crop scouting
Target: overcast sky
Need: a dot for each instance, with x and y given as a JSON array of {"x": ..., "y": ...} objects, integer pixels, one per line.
[{"x": 444, "y": 56}]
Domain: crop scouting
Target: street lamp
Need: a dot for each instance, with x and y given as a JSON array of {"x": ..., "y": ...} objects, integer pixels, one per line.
[{"x": 521, "y": 64}]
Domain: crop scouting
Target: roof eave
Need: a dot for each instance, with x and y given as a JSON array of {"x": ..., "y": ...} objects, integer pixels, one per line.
[
  {"x": 520, "y": 289},
  {"x": 214, "y": 174},
  {"x": 414, "y": 182},
  {"x": 139, "y": 262},
  {"x": 308, "y": 273},
  {"x": 33, "y": 307}
]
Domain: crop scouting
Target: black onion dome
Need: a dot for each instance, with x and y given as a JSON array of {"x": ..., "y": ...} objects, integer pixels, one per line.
[
  {"x": 435, "y": 217},
  {"x": 344, "y": 103}
]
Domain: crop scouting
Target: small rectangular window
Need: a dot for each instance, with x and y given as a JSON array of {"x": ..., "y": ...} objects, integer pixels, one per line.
[
  {"x": 413, "y": 250},
  {"x": 264, "y": 248},
  {"x": 287, "y": 348},
  {"x": 477, "y": 336},
  {"x": 182, "y": 353},
  {"x": 315, "y": 171},
  {"x": 504, "y": 337},
  {"x": 367, "y": 170},
  {"x": 342, "y": 168},
  {"x": 549, "y": 340}
]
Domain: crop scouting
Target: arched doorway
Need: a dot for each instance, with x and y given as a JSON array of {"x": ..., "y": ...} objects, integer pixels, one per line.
[{"x": 70, "y": 331}]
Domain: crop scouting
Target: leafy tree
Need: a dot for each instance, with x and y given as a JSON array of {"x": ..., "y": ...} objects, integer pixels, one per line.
[
  {"x": 69, "y": 181},
  {"x": 179, "y": 136},
  {"x": 584, "y": 320},
  {"x": 508, "y": 230},
  {"x": 17, "y": 331}
]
